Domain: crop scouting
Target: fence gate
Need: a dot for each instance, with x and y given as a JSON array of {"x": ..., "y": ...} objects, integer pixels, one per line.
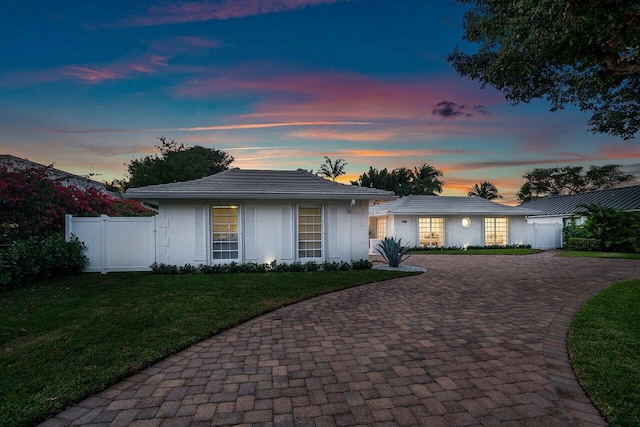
[
  {"x": 115, "y": 244},
  {"x": 544, "y": 236}
]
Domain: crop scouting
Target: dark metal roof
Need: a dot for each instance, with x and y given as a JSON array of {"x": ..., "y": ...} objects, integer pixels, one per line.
[
  {"x": 259, "y": 184},
  {"x": 624, "y": 198},
  {"x": 447, "y": 205}
]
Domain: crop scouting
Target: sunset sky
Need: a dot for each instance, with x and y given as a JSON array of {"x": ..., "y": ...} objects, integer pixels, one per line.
[{"x": 90, "y": 85}]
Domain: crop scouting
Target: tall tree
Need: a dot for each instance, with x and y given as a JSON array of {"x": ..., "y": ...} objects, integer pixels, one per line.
[
  {"x": 423, "y": 180},
  {"x": 567, "y": 52},
  {"x": 427, "y": 180},
  {"x": 176, "y": 163},
  {"x": 570, "y": 180},
  {"x": 332, "y": 170},
  {"x": 486, "y": 190}
]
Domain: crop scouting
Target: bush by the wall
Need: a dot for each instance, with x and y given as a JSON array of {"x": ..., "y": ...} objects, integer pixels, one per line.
[
  {"x": 363, "y": 264},
  {"x": 252, "y": 267},
  {"x": 34, "y": 204},
  {"x": 573, "y": 230},
  {"x": 26, "y": 261},
  {"x": 461, "y": 248},
  {"x": 583, "y": 244}
]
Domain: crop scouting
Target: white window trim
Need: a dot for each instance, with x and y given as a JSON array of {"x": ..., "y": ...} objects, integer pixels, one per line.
[
  {"x": 323, "y": 219},
  {"x": 240, "y": 258},
  {"x": 379, "y": 219},
  {"x": 444, "y": 229},
  {"x": 484, "y": 229}
]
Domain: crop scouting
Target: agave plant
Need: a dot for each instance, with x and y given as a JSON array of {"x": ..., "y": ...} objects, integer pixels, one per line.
[{"x": 392, "y": 251}]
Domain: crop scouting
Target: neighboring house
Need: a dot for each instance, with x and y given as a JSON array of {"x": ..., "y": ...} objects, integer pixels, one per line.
[
  {"x": 259, "y": 216},
  {"x": 564, "y": 208},
  {"x": 452, "y": 221},
  {"x": 67, "y": 179}
]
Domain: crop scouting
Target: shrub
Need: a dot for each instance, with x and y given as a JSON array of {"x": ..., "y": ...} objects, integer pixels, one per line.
[
  {"x": 311, "y": 266},
  {"x": 583, "y": 244},
  {"x": 212, "y": 269},
  {"x": 34, "y": 204},
  {"x": 460, "y": 248},
  {"x": 282, "y": 268},
  {"x": 163, "y": 268},
  {"x": 330, "y": 266},
  {"x": 296, "y": 266},
  {"x": 344, "y": 266},
  {"x": 573, "y": 230},
  {"x": 252, "y": 267},
  {"x": 392, "y": 251},
  {"x": 188, "y": 269},
  {"x": 363, "y": 264},
  {"x": 616, "y": 229},
  {"x": 29, "y": 260}
]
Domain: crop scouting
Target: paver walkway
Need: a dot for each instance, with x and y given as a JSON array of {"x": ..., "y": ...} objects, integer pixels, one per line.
[{"x": 477, "y": 340}]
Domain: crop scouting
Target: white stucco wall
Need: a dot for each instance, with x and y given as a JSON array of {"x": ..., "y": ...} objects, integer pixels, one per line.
[
  {"x": 406, "y": 228},
  {"x": 274, "y": 237}
]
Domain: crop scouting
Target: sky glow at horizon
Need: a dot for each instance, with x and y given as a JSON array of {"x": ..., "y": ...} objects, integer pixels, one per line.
[{"x": 278, "y": 84}]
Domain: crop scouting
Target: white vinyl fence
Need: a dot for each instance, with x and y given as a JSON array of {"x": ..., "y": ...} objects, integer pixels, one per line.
[
  {"x": 115, "y": 244},
  {"x": 544, "y": 236}
]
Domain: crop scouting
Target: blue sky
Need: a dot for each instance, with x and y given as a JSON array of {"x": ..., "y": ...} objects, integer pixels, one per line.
[{"x": 279, "y": 84}]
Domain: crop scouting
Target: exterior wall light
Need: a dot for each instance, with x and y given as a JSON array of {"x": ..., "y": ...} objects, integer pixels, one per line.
[{"x": 466, "y": 222}]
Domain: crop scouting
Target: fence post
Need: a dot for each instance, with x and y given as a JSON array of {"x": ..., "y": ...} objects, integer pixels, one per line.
[
  {"x": 104, "y": 248},
  {"x": 68, "y": 223}
]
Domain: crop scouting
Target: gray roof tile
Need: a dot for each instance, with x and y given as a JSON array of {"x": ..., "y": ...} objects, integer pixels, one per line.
[
  {"x": 259, "y": 184},
  {"x": 624, "y": 198},
  {"x": 447, "y": 205}
]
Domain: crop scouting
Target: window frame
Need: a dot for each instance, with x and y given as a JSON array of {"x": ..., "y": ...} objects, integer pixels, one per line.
[
  {"x": 491, "y": 225},
  {"x": 298, "y": 232},
  {"x": 378, "y": 227},
  {"x": 212, "y": 232},
  {"x": 442, "y": 230}
]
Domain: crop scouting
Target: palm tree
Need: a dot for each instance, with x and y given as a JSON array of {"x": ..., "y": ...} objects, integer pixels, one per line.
[
  {"x": 331, "y": 169},
  {"x": 486, "y": 190},
  {"x": 426, "y": 180}
]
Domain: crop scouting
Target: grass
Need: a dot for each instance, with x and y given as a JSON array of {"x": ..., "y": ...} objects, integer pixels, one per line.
[
  {"x": 506, "y": 251},
  {"x": 593, "y": 254},
  {"x": 62, "y": 340},
  {"x": 604, "y": 346}
]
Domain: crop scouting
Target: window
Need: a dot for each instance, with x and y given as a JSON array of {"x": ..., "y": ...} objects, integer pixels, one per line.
[
  {"x": 431, "y": 231},
  {"x": 495, "y": 231},
  {"x": 381, "y": 228},
  {"x": 224, "y": 227},
  {"x": 310, "y": 232}
]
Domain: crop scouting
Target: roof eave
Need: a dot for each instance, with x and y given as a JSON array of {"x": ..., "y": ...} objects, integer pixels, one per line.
[{"x": 182, "y": 195}]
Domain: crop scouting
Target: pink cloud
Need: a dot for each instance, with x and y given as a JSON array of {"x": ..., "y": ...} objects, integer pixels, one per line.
[
  {"x": 90, "y": 74},
  {"x": 344, "y": 96},
  {"x": 197, "y": 11},
  {"x": 155, "y": 60},
  {"x": 623, "y": 150}
]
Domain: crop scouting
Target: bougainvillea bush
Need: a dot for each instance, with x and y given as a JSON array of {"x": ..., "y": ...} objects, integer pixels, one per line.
[{"x": 33, "y": 204}]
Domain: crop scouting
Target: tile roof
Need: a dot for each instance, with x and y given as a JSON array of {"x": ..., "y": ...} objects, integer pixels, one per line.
[
  {"x": 447, "y": 205},
  {"x": 624, "y": 198},
  {"x": 259, "y": 184}
]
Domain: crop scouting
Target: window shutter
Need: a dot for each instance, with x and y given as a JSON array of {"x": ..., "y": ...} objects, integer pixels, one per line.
[
  {"x": 334, "y": 233},
  {"x": 250, "y": 233},
  {"x": 287, "y": 233},
  {"x": 200, "y": 233}
]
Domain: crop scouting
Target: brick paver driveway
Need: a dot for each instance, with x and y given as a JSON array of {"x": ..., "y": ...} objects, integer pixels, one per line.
[{"x": 477, "y": 340}]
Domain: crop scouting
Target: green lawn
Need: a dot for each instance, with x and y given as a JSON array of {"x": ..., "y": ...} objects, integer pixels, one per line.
[
  {"x": 593, "y": 254},
  {"x": 604, "y": 345},
  {"x": 506, "y": 251},
  {"x": 63, "y": 340}
]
